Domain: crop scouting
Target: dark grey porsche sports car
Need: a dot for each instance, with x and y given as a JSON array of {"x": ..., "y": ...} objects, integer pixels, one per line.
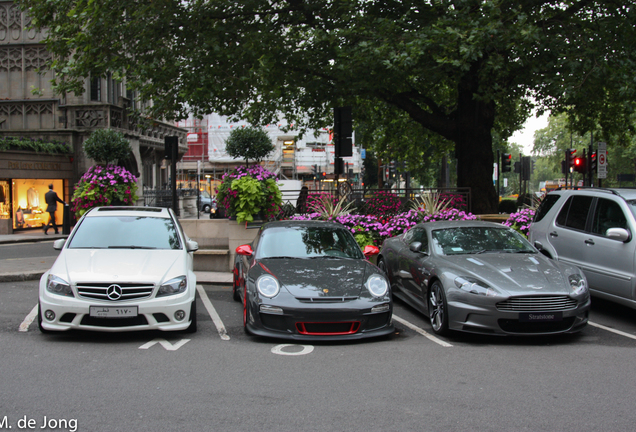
[
  {"x": 310, "y": 280},
  {"x": 484, "y": 277}
]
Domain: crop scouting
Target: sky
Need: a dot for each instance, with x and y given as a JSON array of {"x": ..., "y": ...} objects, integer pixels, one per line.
[{"x": 525, "y": 136}]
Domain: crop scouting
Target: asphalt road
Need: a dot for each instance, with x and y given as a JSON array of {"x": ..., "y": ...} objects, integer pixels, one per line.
[
  {"x": 409, "y": 381},
  {"x": 27, "y": 250}
]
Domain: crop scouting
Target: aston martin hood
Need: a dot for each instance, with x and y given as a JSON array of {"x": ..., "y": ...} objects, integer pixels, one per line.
[
  {"x": 319, "y": 277},
  {"x": 513, "y": 273},
  {"x": 110, "y": 265}
]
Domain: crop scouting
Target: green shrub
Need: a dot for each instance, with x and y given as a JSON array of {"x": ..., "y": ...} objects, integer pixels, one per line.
[{"x": 106, "y": 145}]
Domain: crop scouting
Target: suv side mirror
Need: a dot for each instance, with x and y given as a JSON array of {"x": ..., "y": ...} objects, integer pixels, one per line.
[
  {"x": 538, "y": 245},
  {"x": 620, "y": 234}
]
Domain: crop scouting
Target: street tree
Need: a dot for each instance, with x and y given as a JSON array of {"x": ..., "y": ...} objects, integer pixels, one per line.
[
  {"x": 455, "y": 67},
  {"x": 249, "y": 143}
]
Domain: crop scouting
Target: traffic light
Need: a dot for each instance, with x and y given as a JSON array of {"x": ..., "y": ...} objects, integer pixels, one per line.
[
  {"x": 392, "y": 167},
  {"x": 569, "y": 158},
  {"x": 506, "y": 159},
  {"x": 314, "y": 170},
  {"x": 579, "y": 164},
  {"x": 592, "y": 164}
]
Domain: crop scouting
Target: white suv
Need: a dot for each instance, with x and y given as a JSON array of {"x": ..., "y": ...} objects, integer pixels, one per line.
[
  {"x": 121, "y": 269},
  {"x": 594, "y": 229}
]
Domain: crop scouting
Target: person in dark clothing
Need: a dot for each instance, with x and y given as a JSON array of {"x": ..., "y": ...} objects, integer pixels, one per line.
[
  {"x": 51, "y": 199},
  {"x": 301, "y": 203}
]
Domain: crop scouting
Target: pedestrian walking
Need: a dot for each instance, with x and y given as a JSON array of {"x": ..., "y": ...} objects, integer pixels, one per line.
[{"x": 51, "y": 199}]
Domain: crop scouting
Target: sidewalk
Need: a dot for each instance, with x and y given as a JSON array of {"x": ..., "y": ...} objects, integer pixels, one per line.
[{"x": 21, "y": 269}]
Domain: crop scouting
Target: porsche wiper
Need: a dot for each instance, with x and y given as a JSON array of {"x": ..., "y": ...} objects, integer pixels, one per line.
[{"x": 131, "y": 247}]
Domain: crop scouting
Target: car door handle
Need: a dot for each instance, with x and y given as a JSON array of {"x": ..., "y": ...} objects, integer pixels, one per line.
[
  {"x": 554, "y": 234},
  {"x": 589, "y": 242}
]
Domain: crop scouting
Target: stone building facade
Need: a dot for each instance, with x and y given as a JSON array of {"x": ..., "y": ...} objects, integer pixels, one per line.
[{"x": 29, "y": 109}]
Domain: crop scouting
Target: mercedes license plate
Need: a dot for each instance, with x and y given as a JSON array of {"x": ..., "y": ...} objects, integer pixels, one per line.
[
  {"x": 113, "y": 311},
  {"x": 540, "y": 316}
]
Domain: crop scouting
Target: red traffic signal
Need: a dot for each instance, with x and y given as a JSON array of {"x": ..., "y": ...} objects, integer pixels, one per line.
[{"x": 579, "y": 164}]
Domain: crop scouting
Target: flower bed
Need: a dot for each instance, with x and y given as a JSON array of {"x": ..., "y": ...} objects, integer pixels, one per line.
[{"x": 104, "y": 186}]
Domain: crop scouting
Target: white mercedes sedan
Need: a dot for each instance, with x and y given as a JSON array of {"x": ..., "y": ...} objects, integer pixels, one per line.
[{"x": 121, "y": 269}]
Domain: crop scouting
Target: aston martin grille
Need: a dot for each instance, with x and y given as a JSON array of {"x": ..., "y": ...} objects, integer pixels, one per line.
[
  {"x": 537, "y": 304},
  {"x": 126, "y": 291}
]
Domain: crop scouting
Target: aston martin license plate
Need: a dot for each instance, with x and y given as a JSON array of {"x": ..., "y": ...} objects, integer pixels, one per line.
[
  {"x": 540, "y": 316},
  {"x": 113, "y": 311}
]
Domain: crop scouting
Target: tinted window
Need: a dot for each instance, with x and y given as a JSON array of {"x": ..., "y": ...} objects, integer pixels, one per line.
[
  {"x": 546, "y": 204},
  {"x": 102, "y": 232},
  {"x": 470, "y": 240},
  {"x": 574, "y": 212},
  {"x": 608, "y": 214},
  {"x": 307, "y": 242}
]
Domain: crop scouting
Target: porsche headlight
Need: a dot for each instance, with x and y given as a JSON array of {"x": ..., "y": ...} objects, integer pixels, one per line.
[
  {"x": 377, "y": 285},
  {"x": 474, "y": 286},
  {"x": 173, "y": 286},
  {"x": 58, "y": 286},
  {"x": 577, "y": 283},
  {"x": 268, "y": 286}
]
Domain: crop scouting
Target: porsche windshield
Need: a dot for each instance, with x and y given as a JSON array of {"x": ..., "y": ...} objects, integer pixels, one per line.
[
  {"x": 472, "y": 240},
  {"x": 125, "y": 232},
  {"x": 307, "y": 242}
]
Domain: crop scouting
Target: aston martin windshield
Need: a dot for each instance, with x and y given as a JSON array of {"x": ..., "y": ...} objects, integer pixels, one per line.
[
  {"x": 125, "y": 232},
  {"x": 307, "y": 242},
  {"x": 471, "y": 240}
]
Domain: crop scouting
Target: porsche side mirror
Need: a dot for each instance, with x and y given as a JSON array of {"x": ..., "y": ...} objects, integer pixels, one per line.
[
  {"x": 370, "y": 251},
  {"x": 245, "y": 250},
  {"x": 415, "y": 247}
]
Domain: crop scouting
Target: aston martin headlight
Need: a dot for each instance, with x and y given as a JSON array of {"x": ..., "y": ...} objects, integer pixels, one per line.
[
  {"x": 173, "y": 286},
  {"x": 58, "y": 286},
  {"x": 474, "y": 286},
  {"x": 577, "y": 283},
  {"x": 377, "y": 285},
  {"x": 268, "y": 286}
]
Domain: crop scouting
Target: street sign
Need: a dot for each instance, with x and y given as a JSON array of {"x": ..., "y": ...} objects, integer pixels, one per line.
[{"x": 602, "y": 160}]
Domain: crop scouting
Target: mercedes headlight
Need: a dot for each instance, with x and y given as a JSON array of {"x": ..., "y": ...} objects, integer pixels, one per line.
[
  {"x": 58, "y": 286},
  {"x": 268, "y": 286},
  {"x": 474, "y": 286},
  {"x": 578, "y": 283},
  {"x": 377, "y": 285},
  {"x": 173, "y": 286}
]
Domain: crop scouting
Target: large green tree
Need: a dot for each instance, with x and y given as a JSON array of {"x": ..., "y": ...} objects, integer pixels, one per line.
[{"x": 455, "y": 67}]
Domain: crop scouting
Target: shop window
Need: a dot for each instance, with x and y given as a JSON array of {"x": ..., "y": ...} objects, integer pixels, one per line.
[{"x": 29, "y": 205}]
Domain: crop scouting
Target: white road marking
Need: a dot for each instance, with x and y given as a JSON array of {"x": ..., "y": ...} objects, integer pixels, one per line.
[
  {"x": 421, "y": 331},
  {"x": 29, "y": 319},
  {"x": 215, "y": 316},
  {"x": 278, "y": 349},
  {"x": 164, "y": 343},
  {"x": 609, "y": 329}
]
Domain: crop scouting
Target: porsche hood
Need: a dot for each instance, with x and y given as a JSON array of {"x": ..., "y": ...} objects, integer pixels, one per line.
[{"x": 320, "y": 277}]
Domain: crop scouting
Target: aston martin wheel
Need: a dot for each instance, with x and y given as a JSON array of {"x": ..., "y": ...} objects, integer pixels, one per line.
[{"x": 438, "y": 309}]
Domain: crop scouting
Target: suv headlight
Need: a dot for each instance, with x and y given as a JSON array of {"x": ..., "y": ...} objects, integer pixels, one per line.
[
  {"x": 577, "y": 283},
  {"x": 58, "y": 286},
  {"x": 173, "y": 286},
  {"x": 377, "y": 285},
  {"x": 474, "y": 286}
]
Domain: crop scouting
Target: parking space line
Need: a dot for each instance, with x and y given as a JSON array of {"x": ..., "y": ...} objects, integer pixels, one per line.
[
  {"x": 609, "y": 329},
  {"x": 215, "y": 316},
  {"x": 24, "y": 326},
  {"x": 421, "y": 331}
]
